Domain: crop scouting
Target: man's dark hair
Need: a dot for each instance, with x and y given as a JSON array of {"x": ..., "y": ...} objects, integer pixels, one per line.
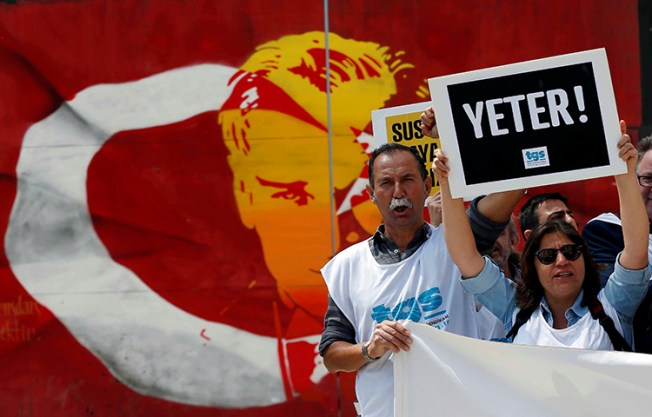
[
  {"x": 389, "y": 148},
  {"x": 528, "y": 217},
  {"x": 644, "y": 145}
]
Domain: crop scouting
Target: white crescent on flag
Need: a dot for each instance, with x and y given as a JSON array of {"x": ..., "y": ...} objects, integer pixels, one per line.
[{"x": 53, "y": 250}]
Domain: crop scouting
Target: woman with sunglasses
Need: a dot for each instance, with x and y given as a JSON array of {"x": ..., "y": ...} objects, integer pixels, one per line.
[{"x": 560, "y": 284}]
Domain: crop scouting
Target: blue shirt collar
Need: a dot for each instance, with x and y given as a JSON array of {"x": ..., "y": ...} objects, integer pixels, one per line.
[{"x": 573, "y": 314}]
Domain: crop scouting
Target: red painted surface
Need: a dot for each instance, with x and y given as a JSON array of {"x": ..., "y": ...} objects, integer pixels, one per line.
[{"x": 162, "y": 198}]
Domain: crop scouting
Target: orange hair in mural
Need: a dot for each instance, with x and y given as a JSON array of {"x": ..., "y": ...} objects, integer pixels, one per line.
[{"x": 275, "y": 126}]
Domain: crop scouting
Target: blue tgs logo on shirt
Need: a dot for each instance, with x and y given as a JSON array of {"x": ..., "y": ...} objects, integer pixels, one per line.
[{"x": 414, "y": 309}]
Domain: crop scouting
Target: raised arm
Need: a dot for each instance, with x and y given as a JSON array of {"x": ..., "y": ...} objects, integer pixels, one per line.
[
  {"x": 632, "y": 210},
  {"x": 457, "y": 230},
  {"x": 494, "y": 210}
]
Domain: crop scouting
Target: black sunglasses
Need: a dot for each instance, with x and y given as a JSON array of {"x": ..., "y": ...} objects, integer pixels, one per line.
[{"x": 571, "y": 251}]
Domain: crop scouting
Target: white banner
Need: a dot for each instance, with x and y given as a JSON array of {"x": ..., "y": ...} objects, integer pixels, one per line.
[{"x": 447, "y": 375}]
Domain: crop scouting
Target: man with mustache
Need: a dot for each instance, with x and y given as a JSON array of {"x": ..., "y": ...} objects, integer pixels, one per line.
[{"x": 403, "y": 272}]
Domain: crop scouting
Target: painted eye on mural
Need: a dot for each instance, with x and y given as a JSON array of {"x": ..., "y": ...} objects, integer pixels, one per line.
[{"x": 293, "y": 191}]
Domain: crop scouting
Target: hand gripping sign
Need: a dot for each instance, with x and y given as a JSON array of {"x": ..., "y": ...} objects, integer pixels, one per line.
[{"x": 528, "y": 124}]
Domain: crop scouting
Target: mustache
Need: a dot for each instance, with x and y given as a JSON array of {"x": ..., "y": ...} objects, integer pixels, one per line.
[{"x": 400, "y": 202}]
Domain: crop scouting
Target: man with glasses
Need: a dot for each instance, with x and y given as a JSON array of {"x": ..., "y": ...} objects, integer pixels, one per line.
[{"x": 604, "y": 235}]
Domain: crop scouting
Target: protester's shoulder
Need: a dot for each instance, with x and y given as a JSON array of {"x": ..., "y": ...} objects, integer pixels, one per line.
[
  {"x": 362, "y": 246},
  {"x": 353, "y": 251},
  {"x": 433, "y": 231},
  {"x": 435, "y": 237},
  {"x": 605, "y": 224},
  {"x": 605, "y": 219}
]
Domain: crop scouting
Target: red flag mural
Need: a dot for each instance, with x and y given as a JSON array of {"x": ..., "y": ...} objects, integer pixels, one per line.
[{"x": 167, "y": 172}]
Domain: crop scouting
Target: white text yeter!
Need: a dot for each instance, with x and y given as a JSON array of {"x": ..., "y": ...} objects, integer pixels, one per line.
[{"x": 553, "y": 103}]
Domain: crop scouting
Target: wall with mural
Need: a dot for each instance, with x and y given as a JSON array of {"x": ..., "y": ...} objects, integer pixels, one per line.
[{"x": 174, "y": 173}]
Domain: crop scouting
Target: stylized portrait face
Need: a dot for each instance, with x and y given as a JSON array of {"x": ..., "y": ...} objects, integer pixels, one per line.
[{"x": 284, "y": 174}]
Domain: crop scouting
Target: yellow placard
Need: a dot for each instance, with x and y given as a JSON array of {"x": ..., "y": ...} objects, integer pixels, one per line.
[{"x": 405, "y": 129}]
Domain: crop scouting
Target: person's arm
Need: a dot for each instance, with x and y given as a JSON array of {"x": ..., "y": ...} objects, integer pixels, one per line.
[
  {"x": 480, "y": 276},
  {"x": 632, "y": 210},
  {"x": 498, "y": 207},
  {"x": 625, "y": 290},
  {"x": 627, "y": 285},
  {"x": 337, "y": 327},
  {"x": 434, "y": 208},
  {"x": 484, "y": 230},
  {"x": 457, "y": 230},
  {"x": 344, "y": 357},
  {"x": 488, "y": 214},
  {"x": 347, "y": 357},
  {"x": 338, "y": 330}
]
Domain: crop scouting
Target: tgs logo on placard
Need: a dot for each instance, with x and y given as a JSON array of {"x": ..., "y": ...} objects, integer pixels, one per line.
[{"x": 536, "y": 157}]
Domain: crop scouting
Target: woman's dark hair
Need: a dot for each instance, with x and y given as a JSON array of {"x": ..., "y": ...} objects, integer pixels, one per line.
[{"x": 529, "y": 290}]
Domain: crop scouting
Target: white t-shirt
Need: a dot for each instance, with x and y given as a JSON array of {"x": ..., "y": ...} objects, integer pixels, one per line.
[
  {"x": 586, "y": 333},
  {"x": 423, "y": 288}
]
